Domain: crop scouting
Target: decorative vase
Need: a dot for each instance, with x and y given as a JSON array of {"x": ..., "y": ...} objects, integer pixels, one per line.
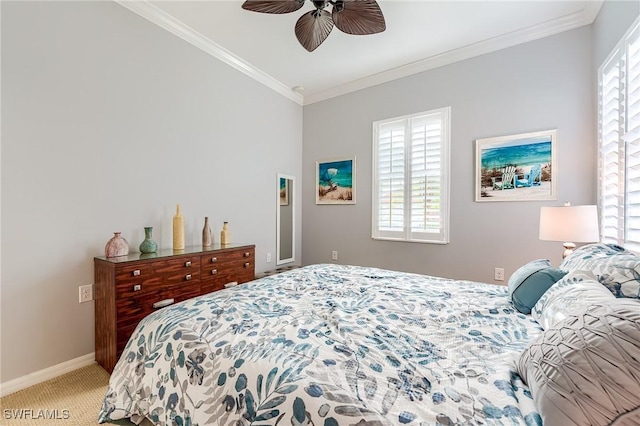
[
  {"x": 148, "y": 245},
  {"x": 116, "y": 246},
  {"x": 225, "y": 234},
  {"x": 178, "y": 230},
  {"x": 207, "y": 239}
]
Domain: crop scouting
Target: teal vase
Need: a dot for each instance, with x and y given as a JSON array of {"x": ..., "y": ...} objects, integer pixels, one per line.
[{"x": 148, "y": 245}]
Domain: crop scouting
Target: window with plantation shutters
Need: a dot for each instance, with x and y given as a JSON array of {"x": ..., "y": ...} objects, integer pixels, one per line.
[
  {"x": 619, "y": 143},
  {"x": 411, "y": 178}
]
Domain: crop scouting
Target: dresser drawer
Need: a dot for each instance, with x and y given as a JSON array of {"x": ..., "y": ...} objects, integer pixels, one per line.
[
  {"x": 228, "y": 261},
  {"x": 242, "y": 271},
  {"x": 236, "y": 271},
  {"x": 222, "y": 282},
  {"x": 131, "y": 281},
  {"x": 219, "y": 280},
  {"x": 176, "y": 270},
  {"x": 211, "y": 286},
  {"x": 247, "y": 273},
  {"x": 183, "y": 276},
  {"x": 133, "y": 309},
  {"x": 158, "y": 276},
  {"x": 133, "y": 272}
]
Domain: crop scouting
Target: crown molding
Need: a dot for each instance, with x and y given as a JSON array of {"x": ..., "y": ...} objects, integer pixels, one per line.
[
  {"x": 566, "y": 23},
  {"x": 173, "y": 25}
]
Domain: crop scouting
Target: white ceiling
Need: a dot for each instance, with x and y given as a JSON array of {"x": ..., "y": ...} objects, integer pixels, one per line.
[{"x": 420, "y": 35}]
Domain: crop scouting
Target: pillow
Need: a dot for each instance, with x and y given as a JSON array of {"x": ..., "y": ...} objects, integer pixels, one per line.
[
  {"x": 573, "y": 292},
  {"x": 583, "y": 257},
  {"x": 616, "y": 268},
  {"x": 585, "y": 370},
  {"x": 530, "y": 281}
]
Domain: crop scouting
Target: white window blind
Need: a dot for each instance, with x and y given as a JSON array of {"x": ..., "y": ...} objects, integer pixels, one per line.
[
  {"x": 410, "y": 177},
  {"x": 619, "y": 143}
]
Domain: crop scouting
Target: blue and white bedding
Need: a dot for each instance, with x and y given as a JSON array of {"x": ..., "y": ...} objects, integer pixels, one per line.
[{"x": 329, "y": 345}]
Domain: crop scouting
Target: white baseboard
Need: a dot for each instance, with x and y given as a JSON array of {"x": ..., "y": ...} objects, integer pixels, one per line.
[{"x": 48, "y": 373}]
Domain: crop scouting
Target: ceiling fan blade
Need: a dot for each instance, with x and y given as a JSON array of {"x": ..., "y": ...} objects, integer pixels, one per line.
[
  {"x": 358, "y": 17},
  {"x": 273, "y": 6},
  {"x": 313, "y": 28}
]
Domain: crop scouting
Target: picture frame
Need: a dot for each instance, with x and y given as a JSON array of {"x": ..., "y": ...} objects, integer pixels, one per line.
[
  {"x": 336, "y": 181},
  {"x": 284, "y": 191},
  {"x": 520, "y": 167}
]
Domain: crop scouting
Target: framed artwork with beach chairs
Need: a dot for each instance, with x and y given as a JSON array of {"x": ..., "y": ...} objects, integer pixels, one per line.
[
  {"x": 336, "y": 181},
  {"x": 517, "y": 167}
]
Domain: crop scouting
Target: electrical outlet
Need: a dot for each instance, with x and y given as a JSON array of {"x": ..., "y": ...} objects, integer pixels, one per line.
[
  {"x": 268, "y": 257},
  {"x": 334, "y": 255},
  {"x": 498, "y": 274},
  {"x": 85, "y": 293}
]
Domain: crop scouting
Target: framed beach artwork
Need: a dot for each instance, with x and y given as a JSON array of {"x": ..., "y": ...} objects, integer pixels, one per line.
[
  {"x": 336, "y": 181},
  {"x": 284, "y": 192},
  {"x": 517, "y": 168}
]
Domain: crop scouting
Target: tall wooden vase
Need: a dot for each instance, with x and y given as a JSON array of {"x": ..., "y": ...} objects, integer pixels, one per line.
[
  {"x": 207, "y": 239},
  {"x": 178, "y": 229},
  {"x": 225, "y": 234}
]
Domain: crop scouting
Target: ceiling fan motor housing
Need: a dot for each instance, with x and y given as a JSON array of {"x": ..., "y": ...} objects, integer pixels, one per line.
[
  {"x": 357, "y": 17},
  {"x": 320, "y": 4}
]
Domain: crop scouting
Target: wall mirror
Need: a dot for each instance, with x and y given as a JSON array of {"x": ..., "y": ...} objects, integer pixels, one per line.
[{"x": 285, "y": 221}]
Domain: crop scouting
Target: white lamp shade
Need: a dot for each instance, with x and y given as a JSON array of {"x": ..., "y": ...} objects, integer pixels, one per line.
[{"x": 569, "y": 223}]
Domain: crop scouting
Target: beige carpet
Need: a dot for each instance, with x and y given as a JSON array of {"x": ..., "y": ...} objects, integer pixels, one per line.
[{"x": 73, "y": 399}]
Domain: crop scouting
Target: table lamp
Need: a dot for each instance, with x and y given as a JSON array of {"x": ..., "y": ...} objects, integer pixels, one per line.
[{"x": 570, "y": 224}]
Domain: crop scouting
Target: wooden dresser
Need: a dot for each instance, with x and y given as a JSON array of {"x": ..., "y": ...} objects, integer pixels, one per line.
[{"x": 128, "y": 288}]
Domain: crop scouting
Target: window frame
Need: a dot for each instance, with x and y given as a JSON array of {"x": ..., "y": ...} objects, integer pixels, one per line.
[
  {"x": 407, "y": 234},
  {"x": 615, "y": 206}
]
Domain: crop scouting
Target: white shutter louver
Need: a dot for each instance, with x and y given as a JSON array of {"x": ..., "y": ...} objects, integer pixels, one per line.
[
  {"x": 390, "y": 166},
  {"x": 410, "y": 185},
  {"x": 619, "y": 143},
  {"x": 611, "y": 185},
  {"x": 632, "y": 146}
]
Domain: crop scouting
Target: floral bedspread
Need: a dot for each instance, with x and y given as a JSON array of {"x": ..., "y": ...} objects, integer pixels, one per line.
[{"x": 329, "y": 345}]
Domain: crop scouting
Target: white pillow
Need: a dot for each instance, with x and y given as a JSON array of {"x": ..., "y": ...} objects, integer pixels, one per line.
[
  {"x": 585, "y": 370},
  {"x": 569, "y": 295}
]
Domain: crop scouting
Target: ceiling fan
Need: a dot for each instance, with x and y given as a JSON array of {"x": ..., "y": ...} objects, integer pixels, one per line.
[{"x": 357, "y": 17}]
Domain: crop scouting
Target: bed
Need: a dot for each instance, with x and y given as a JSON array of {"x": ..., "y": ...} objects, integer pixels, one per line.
[{"x": 341, "y": 345}]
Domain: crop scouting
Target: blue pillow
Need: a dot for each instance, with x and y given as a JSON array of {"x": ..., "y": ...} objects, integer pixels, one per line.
[{"x": 530, "y": 282}]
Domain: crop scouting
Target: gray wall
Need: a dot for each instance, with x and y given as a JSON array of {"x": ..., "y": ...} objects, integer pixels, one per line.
[
  {"x": 108, "y": 121},
  {"x": 540, "y": 85}
]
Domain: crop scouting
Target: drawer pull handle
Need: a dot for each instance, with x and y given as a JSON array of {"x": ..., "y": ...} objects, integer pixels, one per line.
[
  {"x": 214, "y": 271},
  {"x": 246, "y": 264},
  {"x": 137, "y": 287},
  {"x": 231, "y": 284},
  {"x": 214, "y": 259},
  {"x": 163, "y": 303},
  {"x": 187, "y": 277},
  {"x": 187, "y": 263},
  {"x": 247, "y": 254},
  {"x": 136, "y": 273}
]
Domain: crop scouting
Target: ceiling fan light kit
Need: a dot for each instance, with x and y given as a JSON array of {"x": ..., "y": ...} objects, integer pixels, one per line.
[{"x": 358, "y": 17}]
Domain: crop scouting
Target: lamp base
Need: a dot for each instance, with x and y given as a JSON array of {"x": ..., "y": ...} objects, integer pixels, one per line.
[{"x": 568, "y": 249}]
